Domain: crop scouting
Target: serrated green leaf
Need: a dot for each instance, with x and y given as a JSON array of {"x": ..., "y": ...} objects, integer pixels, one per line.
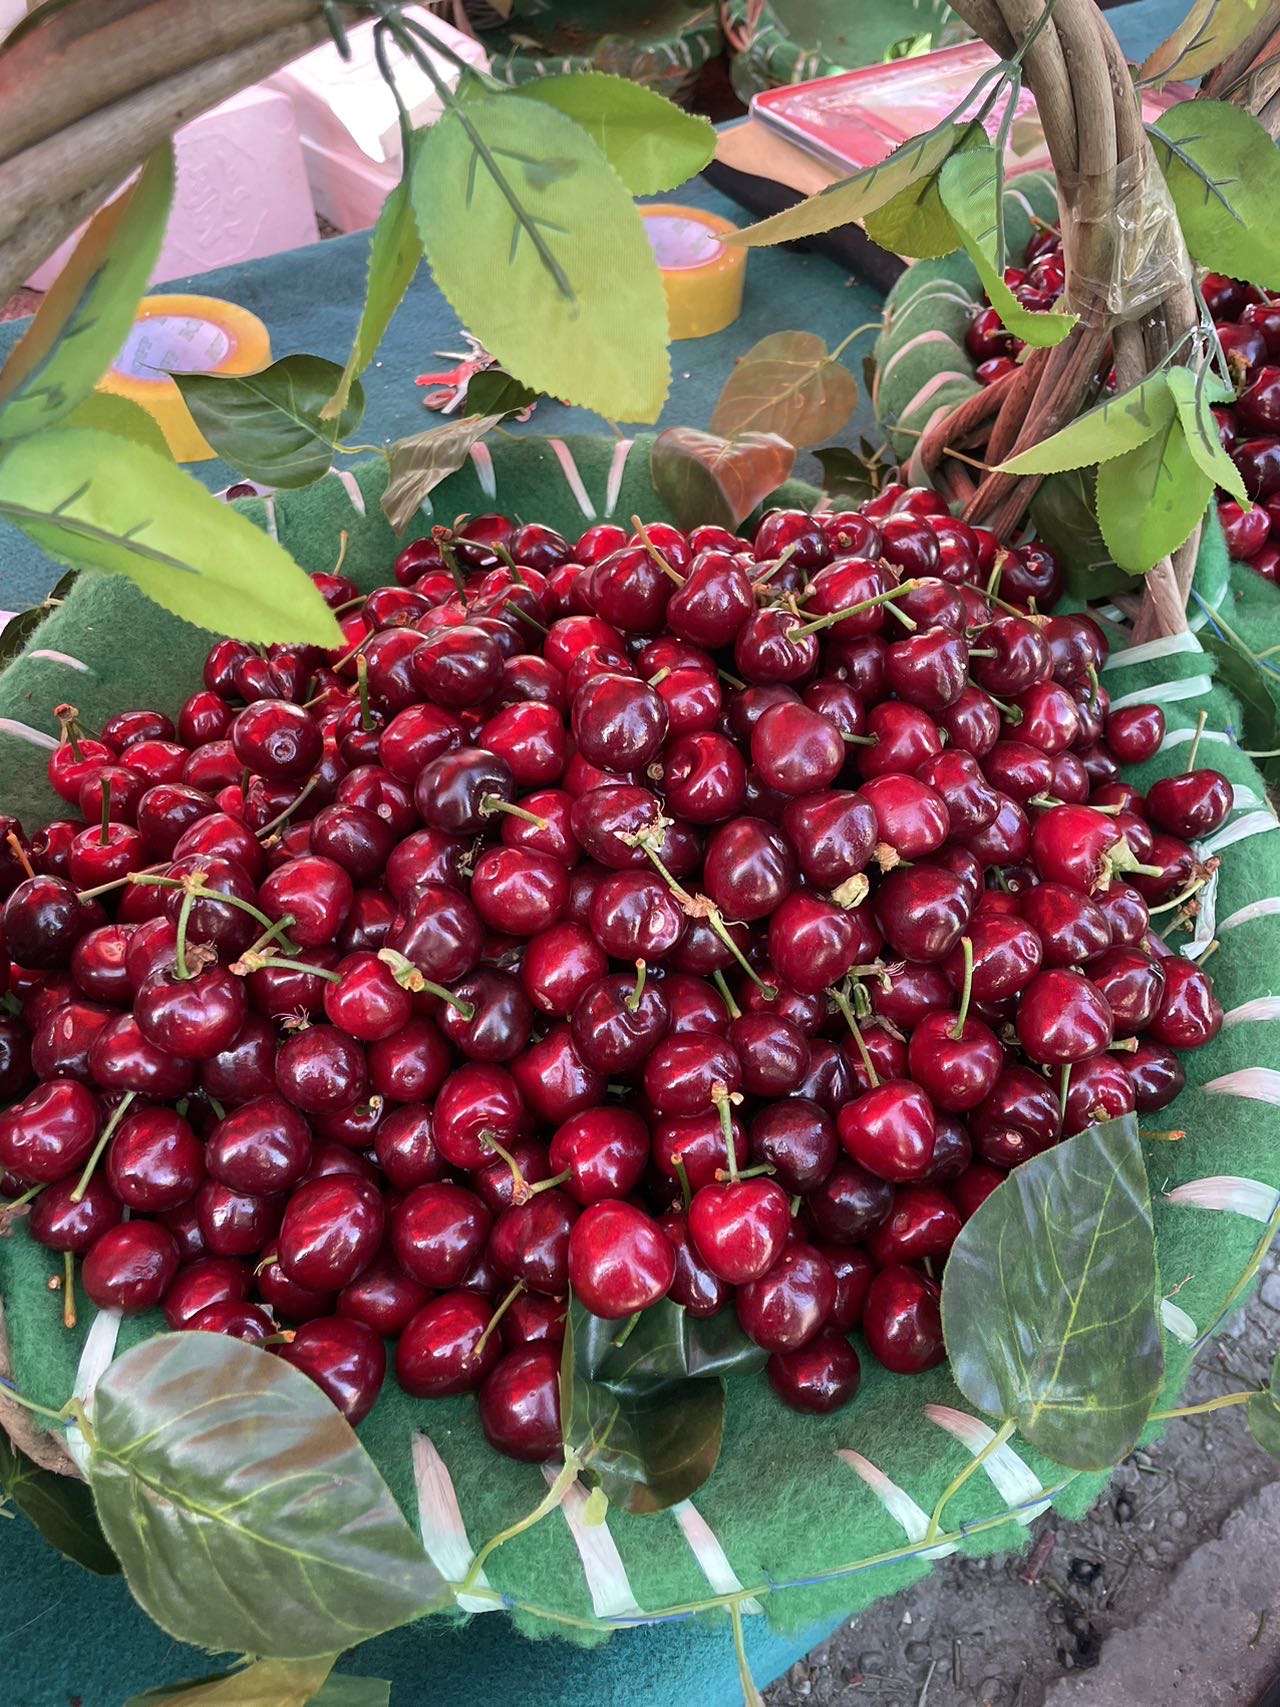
[
  {"x": 112, "y": 414},
  {"x": 419, "y": 464},
  {"x": 915, "y": 222},
  {"x": 1049, "y": 1304},
  {"x": 1264, "y": 1414},
  {"x": 61, "y": 1508},
  {"x": 968, "y": 185},
  {"x": 493, "y": 392},
  {"x": 1193, "y": 395},
  {"x": 1210, "y": 31},
  {"x": 650, "y": 142},
  {"x": 787, "y": 384},
  {"x": 268, "y": 425},
  {"x": 702, "y": 477},
  {"x": 1065, "y": 513},
  {"x": 853, "y": 198},
  {"x": 395, "y": 249},
  {"x": 1150, "y": 498},
  {"x": 87, "y": 312},
  {"x": 540, "y": 250},
  {"x": 206, "y": 1449},
  {"x": 1114, "y": 427},
  {"x": 94, "y": 501},
  {"x": 1223, "y": 172}
]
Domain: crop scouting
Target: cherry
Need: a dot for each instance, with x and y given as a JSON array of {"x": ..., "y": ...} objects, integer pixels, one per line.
[
  {"x": 822, "y": 1376},
  {"x": 345, "y": 1359},
  {"x": 1190, "y": 805},
  {"x": 43, "y": 919},
  {"x": 437, "y": 1232},
  {"x": 315, "y": 892},
  {"x": 60, "y": 1222},
  {"x": 1190, "y": 1014},
  {"x": 530, "y": 1242},
  {"x": 634, "y": 916},
  {"x": 889, "y": 1130},
  {"x": 785, "y": 1307},
  {"x": 1071, "y": 928},
  {"x": 1156, "y": 1073},
  {"x": 704, "y": 777},
  {"x": 121, "y": 1058},
  {"x": 533, "y": 1320},
  {"x": 129, "y": 1267},
  {"x": 833, "y": 834},
  {"x": 261, "y": 1147},
  {"x": 1134, "y": 733},
  {"x": 1100, "y": 1088},
  {"x": 195, "y": 1017},
  {"x": 748, "y": 868},
  {"x": 813, "y": 943},
  {"x": 155, "y": 1161},
  {"x": 554, "y": 1080},
  {"x": 923, "y": 1223},
  {"x": 1063, "y": 1017},
  {"x": 321, "y": 1067},
  {"x": 955, "y": 1062},
  {"x": 1007, "y": 954},
  {"x": 1132, "y": 983},
  {"x": 923, "y": 911},
  {"x": 1019, "y": 1119},
  {"x": 206, "y": 1281},
  {"x": 902, "y": 1320},
  {"x": 604, "y": 1151},
  {"x": 620, "y": 1261},
  {"x": 477, "y": 1109},
  {"x": 248, "y": 1322},
  {"x": 796, "y": 749},
  {"x": 681, "y": 1074},
  {"x": 275, "y": 739},
  {"x": 49, "y": 1135},
  {"x": 774, "y": 1053},
  {"x": 519, "y": 1404},
  {"x": 740, "y": 1227},
  {"x": 559, "y": 965},
  {"x": 797, "y": 1139}
]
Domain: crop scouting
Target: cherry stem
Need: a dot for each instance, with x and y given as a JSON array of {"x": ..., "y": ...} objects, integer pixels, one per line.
[
  {"x": 504, "y": 556},
  {"x": 477, "y": 1351},
  {"x": 180, "y": 946},
  {"x": 250, "y": 962},
  {"x": 662, "y": 562},
  {"x": 69, "y": 718},
  {"x": 281, "y": 928},
  {"x": 68, "y": 1290},
  {"x": 1220, "y": 1404},
  {"x": 682, "y": 1174},
  {"x": 722, "y": 984},
  {"x": 117, "y": 1115},
  {"x": 362, "y": 681},
  {"x": 1064, "y": 1083},
  {"x": 104, "y": 828},
  {"x": 957, "y": 1030},
  {"x": 868, "y": 1065},
  {"x": 20, "y": 1202},
  {"x": 407, "y": 975},
  {"x": 518, "y": 610},
  {"x": 747, "y": 1173},
  {"x": 983, "y": 652},
  {"x": 550, "y": 1184},
  {"x": 787, "y": 552},
  {"x": 704, "y": 909},
  {"x": 663, "y": 673},
  {"x": 621, "y": 1339},
  {"x": 20, "y": 854},
  {"x": 492, "y": 803},
  {"x": 953, "y": 1487},
  {"x": 993, "y": 580},
  {"x": 198, "y": 889},
  {"x": 1195, "y": 741},
  {"x": 1172, "y": 1137},
  {"x": 885, "y": 598},
  {"x": 1187, "y": 893},
  {"x": 1123, "y": 1045},
  {"x": 731, "y": 681},
  {"x": 720, "y": 1097},
  {"x": 217, "y": 1108},
  {"x": 1011, "y": 713},
  {"x": 553, "y": 1498},
  {"x": 715, "y": 918},
  {"x": 450, "y": 556},
  {"x": 521, "y": 1191},
  {"x": 633, "y": 1000}
]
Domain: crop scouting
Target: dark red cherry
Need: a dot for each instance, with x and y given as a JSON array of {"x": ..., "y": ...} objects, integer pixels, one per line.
[
  {"x": 1156, "y": 1073},
  {"x": 1063, "y": 1017},
  {"x": 695, "y": 1287},
  {"x": 320, "y": 1068},
  {"x": 889, "y": 1131},
  {"x": 530, "y": 1242},
  {"x": 923, "y": 911},
  {"x": 902, "y": 1320},
  {"x": 1190, "y": 805},
  {"x": 796, "y": 749},
  {"x": 1019, "y": 1119},
  {"x": 604, "y": 1151},
  {"x": 797, "y": 1138},
  {"x": 833, "y": 834},
  {"x": 155, "y": 1161},
  {"x": 121, "y": 1058},
  {"x": 248, "y": 1322},
  {"x": 554, "y": 1080},
  {"x": 748, "y": 868},
  {"x": 50, "y": 1133},
  {"x": 682, "y": 1074},
  {"x": 634, "y": 916},
  {"x": 1071, "y": 928},
  {"x": 821, "y": 1377},
  {"x": 438, "y": 1231},
  {"x": 276, "y": 740},
  {"x": 519, "y": 1404},
  {"x": 129, "y": 1267},
  {"x": 911, "y": 818},
  {"x": 1007, "y": 954},
  {"x": 194, "y": 1017},
  {"x": 202, "y": 1283},
  {"x": 786, "y": 1306},
  {"x": 705, "y": 779},
  {"x": 1190, "y": 1014},
  {"x": 1100, "y": 1088},
  {"x": 331, "y": 1232},
  {"x": 43, "y": 919},
  {"x": 261, "y": 1147},
  {"x": 345, "y": 1358},
  {"x": 61, "y": 1224},
  {"x": 923, "y": 1223},
  {"x": 559, "y": 965},
  {"x": 620, "y": 1261},
  {"x": 740, "y": 1227},
  {"x": 955, "y": 1065},
  {"x": 1134, "y": 733}
]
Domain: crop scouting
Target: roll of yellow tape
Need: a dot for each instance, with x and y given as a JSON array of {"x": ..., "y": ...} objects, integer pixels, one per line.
[
  {"x": 190, "y": 334},
  {"x": 703, "y": 278}
]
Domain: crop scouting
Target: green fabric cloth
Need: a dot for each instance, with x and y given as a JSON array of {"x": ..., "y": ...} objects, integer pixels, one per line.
[{"x": 820, "y": 1517}]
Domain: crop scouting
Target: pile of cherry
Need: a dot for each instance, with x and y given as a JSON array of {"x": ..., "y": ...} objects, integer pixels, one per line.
[
  {"x": 662, "y": 915},
  {"x": 1247, "y": 322}
]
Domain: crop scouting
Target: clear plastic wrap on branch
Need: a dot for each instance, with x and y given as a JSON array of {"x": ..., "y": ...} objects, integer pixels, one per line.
[{"x": 1121, "y": 240}]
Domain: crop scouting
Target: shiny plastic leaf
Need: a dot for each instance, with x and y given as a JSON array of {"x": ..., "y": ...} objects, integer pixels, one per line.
[
  {"x": 538, "y": 246},
  {"x": 61, "y": 1507},
  {"x": 494, "y": 392},
  {"x": 702, "y": 477},
  {"x": 1264, "y": 1414},
  {"x": 86, "y": 314},
  {"x": 846, "y": 477},
  {"x": 787, "y": 384},
  {"x": 95, "y": 501},
  {"x": 245, "y": 1512},
  {"x": 1065, "y": 513},
  {"x": 268, "y": 425},
  {"x": 1049, "y": 1299},
  {"x": 642, "y": 1405},
  {"x": 419, "y": 464},
  {"x": 1210, "y": 31},
  {"x": 1114, "y": 427},
  {"x": 969, "y": 188},
  {"x": 650, "y": 142},
  {"x": 915, "y": 222},
  {"x": 1223, "y": 172},
  {"x": 1193, "y": 396},
  {"x": 1150, "y": 498}
]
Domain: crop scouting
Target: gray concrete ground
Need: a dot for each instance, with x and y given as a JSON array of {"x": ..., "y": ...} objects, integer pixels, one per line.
[{"x": 1166, "y": 1595}]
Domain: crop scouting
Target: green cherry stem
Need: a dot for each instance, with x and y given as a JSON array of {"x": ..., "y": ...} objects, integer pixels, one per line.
[
  {"x": 362, "y": 680},
  {"x": 953, "y": 1487},
  {"x": 250, "y": 961},
  {"x": 723, "y": 1101},
  {"x": 407, "y": 975},
  {"x": 312, "y": 783},
  {"x": 841, "y": 1000},
  {"x": 68, "y": 1290},
  {"x": 20, "y": 854},
  {"x": 682, "y": 1174},
  {"x": 722, "y": 984},
  {"x": 1195, "y": 741},
  {"x": 444, "y": 540},
  {"x": 117, "y": 1115},
  {"x": 1220, "y": 1404},
  {"x": 281, "y": 928},
  {"x": 492, "y": 803},
  {"x": 957, "y": 1030},
  {"x": 885, "y": 598},
  {"x": 21, "y": 1202},
  {"x": 699, "y": 907},
  {"x": 633, "y": 1000},
  {"x": 180, "y": 946},
  {"x": 477, "y": 1351},
  {"x": 666, "y": 567}
]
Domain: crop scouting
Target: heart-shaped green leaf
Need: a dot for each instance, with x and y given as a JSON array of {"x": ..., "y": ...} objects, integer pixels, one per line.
[
  {"x": 87, "y": 312},
  {"x": 1150, "y": 498},
  {"x": 61, "y": 1507},
  {"x": 702, "y": 477},
  {"x": 209, "y": 1450},
  {"x": 650, "y": 142},
  {"x": 1223, "y": 172},
  {"x": 1114, "y": 427},
  {"x": 1049, "y": 1299},
  {"x": 1264, "y": 1413},
  {"x": 95, "y": 501},
  {"x": 268, "y": 425},
  {"x": 787, "y": 384},
  {"x": 419, "y": 464}
]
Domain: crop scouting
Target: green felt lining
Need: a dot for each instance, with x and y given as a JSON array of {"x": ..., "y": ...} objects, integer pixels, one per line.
[{"x": 783, "y": 1506}]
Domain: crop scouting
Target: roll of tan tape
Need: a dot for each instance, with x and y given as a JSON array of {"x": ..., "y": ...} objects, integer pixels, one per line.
[{"x": 702, "y": 276}]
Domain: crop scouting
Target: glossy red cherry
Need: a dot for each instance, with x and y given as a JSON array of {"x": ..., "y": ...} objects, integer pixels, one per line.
[
  {"x": 786, "y": 1306},
  {"x": 519, "y": 1404},
  {"x": 1190, "y": 1014},
  {"x": 438, "y": 1231},
  {"x": 129, "y": 1267},
  {"x": 331, "y": 1232},
  {"x": 530, "y": 1242},
  {"x": 604, "y": 1151},
  {"x": 1020, "y": 1118},
  {"x": 740, "y": 1227},
  {"x": 50, "y": 1133},
  {"x": 155, "y": 1161},
  {"x": 194, "y": 1017},
  {"x": 821, "y": 1377},
  {"x": 889, "y": 1130},
  {"x": 1063, "y": 1017},
  {"x": 923, "y": 1223},
  {"x": 1190, "y": 805},
  {"x": 346, "y": 1360},
  {"x": 955, "y": 1064},
  {"x": 902, "y": 1320},
  {"x": 321, "y": 1067},
  {"x": 620, "y": 1261}
]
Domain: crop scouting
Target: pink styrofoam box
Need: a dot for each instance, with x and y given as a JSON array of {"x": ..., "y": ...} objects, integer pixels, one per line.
[
  {"x": 348, "y": 190},
  {"x": 241, "y": 190},
  {"x": 11, "y": 12}
]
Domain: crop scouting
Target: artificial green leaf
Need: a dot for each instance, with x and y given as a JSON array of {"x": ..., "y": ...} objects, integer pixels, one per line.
[
  {"x": 1049, "y": 1305},
  {"x": 268, "y": 425},
  {"x": 86, "y": 314},
  {"x": 127, "y": 420},
  {"x": 1193, "y": 395},
  {"x": 1258, "y": 691},
  {"x": 787, "y": 384},
  {"x": 1114, "y": 427},
  {"x": 969, "y": 187},
  {"x": 915, "y": 222},
  {"x": 395, "y": 250},
  {"x": 1065, "y": 512},
  {"x": 1223, "y": 172},
  {"x": 493, "y": 392},
  {"x": 846, "y": 476},
  {"x": 855, "y": 197},
  {"x": 18, "y": 630},
  {"x": 701, "y": 477},
  {"x": 641, "y": 1404},
  {"x": 245, "y": 1512},
  {"x": 419, "y": 464},
  {"x": 61, "y": 1507},
  {"x": 1264, "y": 1414},
  {"x": 538, "y": 246},
  {"x": 94, "y": 501},
  {"x": 1151, "y": 498},
  {"x": 1210, "y": 31},
  {"x": 650, "y": 142},
  {"x": 261, "y": 1683}
]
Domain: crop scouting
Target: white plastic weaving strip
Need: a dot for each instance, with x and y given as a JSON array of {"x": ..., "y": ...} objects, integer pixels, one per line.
[
  {"x": 24, "y": 732},
  {"x": 1204, "y": 931},
  {"x": 1165, "y": 693},
  {"x": 1252, "y": 824},
  {"x": 444, "y": 1534},
  {"x": 896, "y": 1501},
  {"x": 269, "y": 504},
  {"x": 706, "y": 1549},
  {"x": 1257, "y": 1084},
  {"x": 1162, "y": 648},
  {"x": 1179, "y": 1324},
  {"x": 1013, "y": 1479},
  {"x": 352, "y": 487},
  {"x": 617, "y": 468},
  {"x": 1228, "y": 1191},
  {"x": 1267, "y": 908},
  {"x": 1242, "y": 798},
  {"x": 60, "y": 658},
  {"x": 1184, "y": 736},
  {"x": 99, "y": 1349},
  {"x": 482, "y": 462},
  {"x": 1260, "y": 1008},
  {"x": 564, "y": 456},
  {"x": 602, "y": 1565}
]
